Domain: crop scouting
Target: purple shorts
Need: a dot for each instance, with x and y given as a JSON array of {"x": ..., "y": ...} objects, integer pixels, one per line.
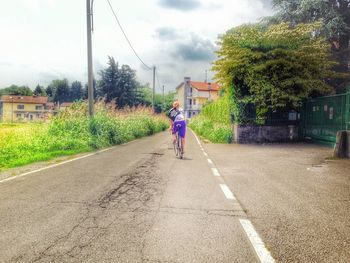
[{"x": 180, "y": 126}]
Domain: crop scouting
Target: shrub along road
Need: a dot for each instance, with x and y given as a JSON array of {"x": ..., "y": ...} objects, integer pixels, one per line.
[{"x": 138, "y": 203}]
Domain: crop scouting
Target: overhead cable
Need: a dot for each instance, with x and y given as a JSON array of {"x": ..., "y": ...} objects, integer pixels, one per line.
[{"x": 127, "y": 39}]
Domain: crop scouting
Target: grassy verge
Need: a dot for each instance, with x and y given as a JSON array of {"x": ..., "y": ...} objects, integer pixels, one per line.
[
  {"x": 213, "y": 131},
  {"x": 214, "y": 122},
  {"x": 73, "y": 132}
]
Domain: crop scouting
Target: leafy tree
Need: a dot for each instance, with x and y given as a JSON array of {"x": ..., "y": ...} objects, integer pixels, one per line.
[
  {"x": 60, "y": 90},
  {"x": 39, "y": 91},
  {"x": 95, "y": 91},
  {"x": 270, "y": 69},
  {"x": 49, "y": 92},
  {"x": 76, "y": 91},
  {"x": 118, "y": 84},
  {"x": 160, "y": 104},
  {"x": 335, "y": 17},
  {"x": 16, "y": 90}
]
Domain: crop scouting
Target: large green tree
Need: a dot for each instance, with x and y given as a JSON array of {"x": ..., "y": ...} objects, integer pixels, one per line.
[
  {"x": 16, "y": 90},
  {"x": 59, "y": 90},
  {"x": 39, "y": 91},
  {"x": 76, "y": 91},
  {"x": 118, "y": 84},
  {"x": 335, "y": 17},
  {"x": 272, "y": 69}
]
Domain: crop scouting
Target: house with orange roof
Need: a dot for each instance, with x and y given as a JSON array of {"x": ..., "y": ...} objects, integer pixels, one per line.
[
  {"x": 192, "y": 95},
  {"x": 22, "y": 108}
]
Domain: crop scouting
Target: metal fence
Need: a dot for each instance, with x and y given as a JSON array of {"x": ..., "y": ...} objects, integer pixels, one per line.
[{"x": 323, "y": 117}]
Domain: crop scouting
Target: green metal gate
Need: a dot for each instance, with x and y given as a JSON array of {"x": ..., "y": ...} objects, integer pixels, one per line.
[{"x": 322, "y": 117}]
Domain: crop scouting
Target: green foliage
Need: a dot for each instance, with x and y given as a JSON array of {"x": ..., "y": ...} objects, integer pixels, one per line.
[
  {"x": 16, "y": 90},
  {"x": 59, "y": 90},
  {"x": 161, "y": 105},
  {"x": 214, "y": 121},
  {"x": 213, "y": 131},
  {"x": 272, "y": 68},
  {"x": 76, "y": 91},
  {"x": 219, "y": 111},
  {"x": 72, "y": 132},
  {"x": 39, "y": 91},
  {"x": 335, "y": 17},
  {"x": 118, "y": 84}
]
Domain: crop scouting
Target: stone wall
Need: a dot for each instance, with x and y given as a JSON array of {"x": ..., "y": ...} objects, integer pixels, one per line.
[{"x": 244, "y": 134}]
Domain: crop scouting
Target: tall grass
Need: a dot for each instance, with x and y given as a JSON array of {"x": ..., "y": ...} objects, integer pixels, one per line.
[
  {"x": 214, "y": 121},
  {"x": 72, "y": 131}
]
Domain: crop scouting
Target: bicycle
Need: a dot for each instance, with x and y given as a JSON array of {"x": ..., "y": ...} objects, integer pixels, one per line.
[{"x": 178, "y": 147}]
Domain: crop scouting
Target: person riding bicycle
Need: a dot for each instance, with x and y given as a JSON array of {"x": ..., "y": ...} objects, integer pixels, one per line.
[{"x": 178, "y": 123}]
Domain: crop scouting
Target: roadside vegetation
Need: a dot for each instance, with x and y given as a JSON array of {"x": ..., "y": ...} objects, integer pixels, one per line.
[
  {"x": 73, "y": 132},
  {"x": 214, "y": 123}
]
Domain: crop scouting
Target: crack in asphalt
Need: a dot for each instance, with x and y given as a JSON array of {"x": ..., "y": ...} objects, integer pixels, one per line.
[{"x": 138, "y": 191}]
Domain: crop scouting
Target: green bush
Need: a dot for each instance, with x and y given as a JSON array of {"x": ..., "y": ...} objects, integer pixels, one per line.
[
  {"x": 72, "y": 131},
  {"x": 213, "y": 131},
  {"x": 214, "y": 121}
]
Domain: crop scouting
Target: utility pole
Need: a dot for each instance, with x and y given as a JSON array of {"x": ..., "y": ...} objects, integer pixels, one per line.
[
  {"x": 206, "y": 76},
  {"x": 89, "y": 54},
  {"x": 154, "y": 88},
  {"x": 163, "y": 99}
]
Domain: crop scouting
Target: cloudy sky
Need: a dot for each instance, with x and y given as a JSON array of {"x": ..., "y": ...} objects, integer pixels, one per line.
[{"x": 42, "y": 40}]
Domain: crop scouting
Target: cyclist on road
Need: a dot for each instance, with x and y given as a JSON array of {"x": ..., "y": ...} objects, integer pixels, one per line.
[{"x": 178, "y": 123}]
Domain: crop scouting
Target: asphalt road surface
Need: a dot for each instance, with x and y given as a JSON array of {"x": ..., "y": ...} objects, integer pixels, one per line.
[{"x": 223, "y": 203}]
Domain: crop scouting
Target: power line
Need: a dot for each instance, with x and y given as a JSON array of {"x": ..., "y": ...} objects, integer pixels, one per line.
[{"x": 127, "y": 39}]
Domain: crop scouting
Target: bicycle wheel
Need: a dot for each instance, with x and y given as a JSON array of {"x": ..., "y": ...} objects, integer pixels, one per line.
[
  {"x": 176, "y": 149},
  {"x": 175, "y": 146},
  {"x": 180, "y": 149}
]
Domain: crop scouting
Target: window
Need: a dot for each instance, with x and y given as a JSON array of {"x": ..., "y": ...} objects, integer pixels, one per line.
[
  {"x": 38, "y": 115},
  {"x": 190, "y": 92},
  {"x": 20, "y": 107},
  {"x": 194, "y": 102},
  {"x": 38, "y": 107},
  {"x": 19, "y": 115}
]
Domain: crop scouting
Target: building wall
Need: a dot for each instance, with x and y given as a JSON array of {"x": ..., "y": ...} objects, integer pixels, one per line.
[
  {"x": 29, "y": 112},
  {"x": 180, "y": 96},
  {"x": 201, "y": 98}
]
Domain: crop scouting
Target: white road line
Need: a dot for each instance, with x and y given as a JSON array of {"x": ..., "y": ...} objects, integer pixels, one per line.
[
  {"x": 215, "y": 172},
  {"x": 259, "y": 246},
  {"x": 58, "y": 164},
  {"x": 48, "y": 167},
  {"x": 198, "y": 141},
  {"x": 227, "y": 192}
]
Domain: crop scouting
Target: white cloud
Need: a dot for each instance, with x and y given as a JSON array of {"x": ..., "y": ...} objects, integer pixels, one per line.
[{"x": 46, "y": 39}]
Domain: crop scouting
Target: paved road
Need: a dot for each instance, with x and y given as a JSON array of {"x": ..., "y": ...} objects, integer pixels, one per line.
[
  {"x": 298, "y": 202},
  {"x": 134, "y": 203},
  {"x": 137, "y": 203}
]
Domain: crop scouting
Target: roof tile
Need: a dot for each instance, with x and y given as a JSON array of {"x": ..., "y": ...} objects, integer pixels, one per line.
[{"x": 24, "y": 99}]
